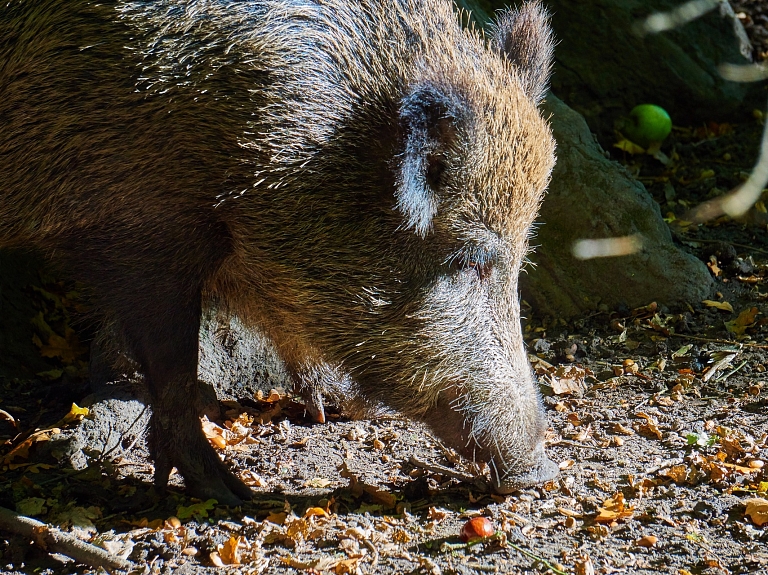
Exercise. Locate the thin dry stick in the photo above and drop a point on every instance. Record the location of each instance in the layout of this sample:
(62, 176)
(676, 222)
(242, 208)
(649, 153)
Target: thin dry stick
(54, 540)
(723, 341)
(742, 246)
(478, 482)
(505, 542)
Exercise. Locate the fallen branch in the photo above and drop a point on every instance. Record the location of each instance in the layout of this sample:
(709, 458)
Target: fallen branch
(54, 540)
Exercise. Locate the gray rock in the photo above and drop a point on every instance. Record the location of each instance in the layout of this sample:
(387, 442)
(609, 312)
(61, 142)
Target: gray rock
(117, 424)
(593, 197)
(237, 361)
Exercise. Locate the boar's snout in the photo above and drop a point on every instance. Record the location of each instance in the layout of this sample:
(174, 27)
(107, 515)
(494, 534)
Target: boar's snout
(542, 469)
(509, 439)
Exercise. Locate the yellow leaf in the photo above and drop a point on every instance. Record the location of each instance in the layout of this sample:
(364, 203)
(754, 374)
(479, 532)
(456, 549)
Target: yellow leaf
(298, 529)
(76, 410)
(721, 305)
(277, 518)
(228, 551)
(629, 147)
(315, 512)
(746, 319)
(76, 413)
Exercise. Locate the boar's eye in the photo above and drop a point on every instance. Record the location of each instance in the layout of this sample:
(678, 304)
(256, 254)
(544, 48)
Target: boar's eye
(475, 259)
(483, 269)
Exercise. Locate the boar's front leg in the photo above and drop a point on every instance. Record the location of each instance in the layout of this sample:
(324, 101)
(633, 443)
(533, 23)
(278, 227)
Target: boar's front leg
(164, 333)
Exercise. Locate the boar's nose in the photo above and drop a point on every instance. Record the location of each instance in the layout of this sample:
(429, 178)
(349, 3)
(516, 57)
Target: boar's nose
(542, 469)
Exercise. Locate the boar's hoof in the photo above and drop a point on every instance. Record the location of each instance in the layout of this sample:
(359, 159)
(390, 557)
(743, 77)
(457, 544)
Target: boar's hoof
(313, 403)
(205, 476)
(542, 471)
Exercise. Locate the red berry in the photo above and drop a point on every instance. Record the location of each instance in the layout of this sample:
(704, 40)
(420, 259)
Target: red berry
(476, 528)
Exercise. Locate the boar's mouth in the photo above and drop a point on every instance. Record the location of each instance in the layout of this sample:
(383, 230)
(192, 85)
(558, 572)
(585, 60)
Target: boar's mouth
(525, 467)
(542, 469)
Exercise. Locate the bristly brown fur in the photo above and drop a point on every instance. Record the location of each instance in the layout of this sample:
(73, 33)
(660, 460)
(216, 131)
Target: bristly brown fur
(356, 178)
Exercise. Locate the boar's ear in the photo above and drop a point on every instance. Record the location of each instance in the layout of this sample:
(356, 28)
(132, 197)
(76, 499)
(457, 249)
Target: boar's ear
(429, 119)
(525, 36)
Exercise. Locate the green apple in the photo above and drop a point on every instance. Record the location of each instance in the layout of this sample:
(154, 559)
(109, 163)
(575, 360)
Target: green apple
(647, 124)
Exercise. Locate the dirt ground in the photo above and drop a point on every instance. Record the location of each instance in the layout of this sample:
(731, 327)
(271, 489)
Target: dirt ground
(659, 421)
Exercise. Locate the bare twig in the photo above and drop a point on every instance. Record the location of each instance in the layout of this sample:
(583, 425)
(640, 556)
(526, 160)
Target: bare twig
(574, 444)
(663, 465)
(715, 340)
(742, 246)
(504, 542)
(478, 482)
(730, 373)
(55, 540)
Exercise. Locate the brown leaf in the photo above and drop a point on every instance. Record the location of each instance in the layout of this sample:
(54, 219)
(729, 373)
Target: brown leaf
(647, 541)
(347, 566)
(757, 510)
(568, 379)
(437, 514)
(677, 473)
(614, 509)
(584, 566)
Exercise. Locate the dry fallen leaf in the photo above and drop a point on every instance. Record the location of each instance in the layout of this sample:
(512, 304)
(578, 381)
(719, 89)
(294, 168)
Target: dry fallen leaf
(540, 366)
(721, 305)
(274, 396)
(568, 379)
(745, 319)
(313, 565)
(228, 551)
(315, 512)
(614, 509)
(650, 428)
(346, 566)
(437, 513)
(251, 478)
(621, 429)
(677, 473)
(757, 510)
(721, 361)
(277, 518)
(647, 541)
(584, 566)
